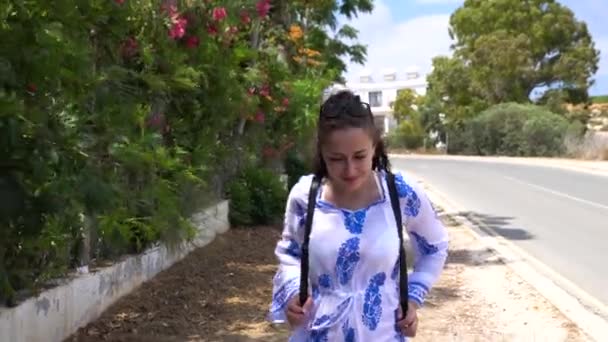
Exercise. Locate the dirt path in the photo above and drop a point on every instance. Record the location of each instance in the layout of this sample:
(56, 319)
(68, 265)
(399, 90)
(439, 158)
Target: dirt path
(218, 293)
(478, 298)
(221, 293)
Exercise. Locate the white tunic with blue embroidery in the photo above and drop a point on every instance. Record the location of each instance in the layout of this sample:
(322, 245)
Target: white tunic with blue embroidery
(354, 269)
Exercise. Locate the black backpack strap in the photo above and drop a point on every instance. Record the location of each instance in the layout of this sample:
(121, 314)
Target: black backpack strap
(392, 190)
(312, 201)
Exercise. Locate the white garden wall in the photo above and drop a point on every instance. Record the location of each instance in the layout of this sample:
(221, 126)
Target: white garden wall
(57, 313)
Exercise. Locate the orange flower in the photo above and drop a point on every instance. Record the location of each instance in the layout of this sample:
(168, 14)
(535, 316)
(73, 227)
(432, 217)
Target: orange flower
(295, 32)
(309, 52)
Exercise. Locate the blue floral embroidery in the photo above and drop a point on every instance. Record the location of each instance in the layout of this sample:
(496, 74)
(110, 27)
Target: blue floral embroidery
(280, 297)
(403, 190)
(325, 281)
(413, 205)
(412, 201)
(321, 334)
(354, 221)
(322, 319)
(294, 249)
(423, 245)
(348, 256)
(348, 332)
(372, 308)
(417, 292)
(315, 292)
(328, 321)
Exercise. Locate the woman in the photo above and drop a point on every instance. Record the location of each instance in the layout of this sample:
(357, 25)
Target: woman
(354, 244)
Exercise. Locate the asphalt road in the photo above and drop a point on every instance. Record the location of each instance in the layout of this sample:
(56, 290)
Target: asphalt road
(558, 216)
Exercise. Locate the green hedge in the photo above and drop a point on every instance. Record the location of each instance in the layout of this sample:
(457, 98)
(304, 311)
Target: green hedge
(511, 129)
(406, 135)
(118, 119)
(257, 197)
(296, 166)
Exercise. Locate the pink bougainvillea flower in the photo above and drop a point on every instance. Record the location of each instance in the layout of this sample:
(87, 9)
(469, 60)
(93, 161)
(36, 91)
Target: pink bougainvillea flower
(233, 29)
(251, 91)
(212, 29)
(178, 29)
(245, 18)
(219, 13)
(263, 7)
(285, 102)
(265, 91)
(192, 42)
(120, 2)
(260, 117)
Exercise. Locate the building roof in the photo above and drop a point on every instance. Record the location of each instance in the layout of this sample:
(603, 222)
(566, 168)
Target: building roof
(412, 83)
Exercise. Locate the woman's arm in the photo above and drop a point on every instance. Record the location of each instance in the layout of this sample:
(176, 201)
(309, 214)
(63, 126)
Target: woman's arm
(286, 282)
(428, 236)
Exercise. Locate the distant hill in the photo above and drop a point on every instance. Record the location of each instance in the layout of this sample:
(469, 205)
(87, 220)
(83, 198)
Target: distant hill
(599, 99)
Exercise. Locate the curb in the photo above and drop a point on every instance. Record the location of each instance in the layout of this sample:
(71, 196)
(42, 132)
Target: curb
(597, 168)
(584, 310)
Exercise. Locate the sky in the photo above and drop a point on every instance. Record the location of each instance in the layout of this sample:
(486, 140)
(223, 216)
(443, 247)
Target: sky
(403, 33)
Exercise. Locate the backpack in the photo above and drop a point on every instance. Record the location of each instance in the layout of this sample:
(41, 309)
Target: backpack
(312, 198)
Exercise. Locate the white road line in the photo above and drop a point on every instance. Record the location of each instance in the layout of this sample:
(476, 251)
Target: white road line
(557, 193)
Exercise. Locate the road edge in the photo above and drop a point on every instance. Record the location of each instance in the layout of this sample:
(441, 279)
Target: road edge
(573, 165)
(588, 313)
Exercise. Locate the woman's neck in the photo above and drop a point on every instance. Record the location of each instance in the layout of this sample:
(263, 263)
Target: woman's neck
(352, 200)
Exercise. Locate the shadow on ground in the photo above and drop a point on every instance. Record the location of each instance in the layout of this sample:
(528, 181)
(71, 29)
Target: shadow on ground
(500, 225)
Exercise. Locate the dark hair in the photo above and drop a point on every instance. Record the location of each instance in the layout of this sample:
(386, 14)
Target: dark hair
(345, 110)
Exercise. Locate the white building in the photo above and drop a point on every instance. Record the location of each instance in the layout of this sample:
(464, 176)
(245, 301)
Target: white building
(381, 94)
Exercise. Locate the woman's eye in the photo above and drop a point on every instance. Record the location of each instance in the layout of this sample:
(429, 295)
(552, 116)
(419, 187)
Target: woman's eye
(359, 157)
(335, 160)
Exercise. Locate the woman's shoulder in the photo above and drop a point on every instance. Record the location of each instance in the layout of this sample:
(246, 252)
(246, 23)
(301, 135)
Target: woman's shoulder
(301, 189)
(405, 183)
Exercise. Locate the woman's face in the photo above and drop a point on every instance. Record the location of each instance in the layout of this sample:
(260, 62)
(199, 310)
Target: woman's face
(348, 154)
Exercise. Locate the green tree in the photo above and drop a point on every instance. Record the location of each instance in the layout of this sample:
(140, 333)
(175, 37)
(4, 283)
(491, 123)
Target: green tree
(319, 26)
(450, 85)
(504, 49)
(405, 106)
(409, 132)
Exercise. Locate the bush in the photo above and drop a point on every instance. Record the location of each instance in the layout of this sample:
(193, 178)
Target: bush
(295, 168)
(407, 136)
(118, 119)
(588, 145)
(514, 130)
(103, 124)
(257, 197)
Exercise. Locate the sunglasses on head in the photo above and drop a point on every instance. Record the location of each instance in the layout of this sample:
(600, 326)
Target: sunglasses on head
(336, 113)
